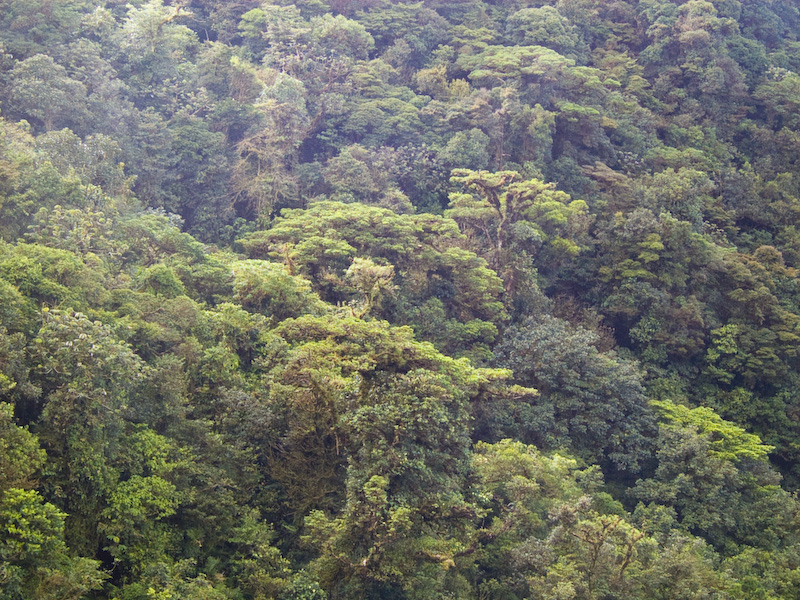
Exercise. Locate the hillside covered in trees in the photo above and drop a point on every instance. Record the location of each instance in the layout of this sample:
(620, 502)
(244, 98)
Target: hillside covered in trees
(371, 299)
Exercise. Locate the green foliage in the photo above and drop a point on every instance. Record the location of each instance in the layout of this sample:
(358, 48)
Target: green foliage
(543, 27)
(512, 221)
(87, 377)
(269, 289)
(37, 27)
(727, 441)
(523, 485)
(134, 510)
(20, 455)
(551, 532)
(467, 149)
(34, 559)
(50, 276)
(261, 569)
(323, 242)
(161, 280)
(706, 473)
(42, 90)
(241, 350)
(593, 399)
(330, 357)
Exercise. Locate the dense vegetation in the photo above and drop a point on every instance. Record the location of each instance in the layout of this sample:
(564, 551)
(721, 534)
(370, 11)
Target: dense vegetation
(359, 299)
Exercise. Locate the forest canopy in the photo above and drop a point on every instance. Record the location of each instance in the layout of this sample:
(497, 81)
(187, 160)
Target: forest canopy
(352, 300)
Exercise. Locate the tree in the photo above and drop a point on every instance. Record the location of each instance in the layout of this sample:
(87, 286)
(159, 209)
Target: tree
(446, 292)
(264, 180)
(132, 522)
(363, 175)
(716, 478)
(544, 27)
(21, 458)
(87, 378)
(409, 24)
(152, 53)
(466, 150)
(594, 399)
(653, 269)
(549, 531)
(200, 173)
(34, 561)
(386, 418)
(515, 222)
(40, 26)
(16, 163)
(50, 276)
(42, 90)
(269, 289)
